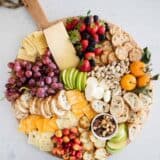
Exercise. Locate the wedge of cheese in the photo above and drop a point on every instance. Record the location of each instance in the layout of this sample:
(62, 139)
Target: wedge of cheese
(32, 46)
(61, 47)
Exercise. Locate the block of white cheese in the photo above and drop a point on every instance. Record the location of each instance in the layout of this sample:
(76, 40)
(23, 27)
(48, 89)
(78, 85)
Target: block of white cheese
(61, 47)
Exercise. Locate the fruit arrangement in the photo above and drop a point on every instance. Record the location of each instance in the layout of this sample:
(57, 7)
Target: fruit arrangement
(84, 98)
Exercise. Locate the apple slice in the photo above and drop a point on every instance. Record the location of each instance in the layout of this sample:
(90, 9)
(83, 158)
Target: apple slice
(117, 146)
(84, 80)
(67, 78)
(121, 135)
(64, 77)
(79, 81)
(75, 77)
(112, 151)
(70, 77)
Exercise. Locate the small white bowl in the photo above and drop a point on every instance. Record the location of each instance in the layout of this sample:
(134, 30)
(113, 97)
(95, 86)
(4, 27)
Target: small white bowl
(108, 137)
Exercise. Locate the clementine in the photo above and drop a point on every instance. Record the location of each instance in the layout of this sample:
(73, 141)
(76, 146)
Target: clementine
(128, 82)
(138, 68)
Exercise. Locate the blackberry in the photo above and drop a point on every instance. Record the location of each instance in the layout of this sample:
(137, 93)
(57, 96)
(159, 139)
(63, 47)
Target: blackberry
(102, 37)
(92, 62)
(85, 35)
(80, 54)
(96, 18)
(87, 20)
(92, 44)
(107, 27)
(90, 49)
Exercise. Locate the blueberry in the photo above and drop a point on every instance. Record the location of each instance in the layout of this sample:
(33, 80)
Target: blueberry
(92, 62)
(90, 49)
(80, 54)
(92, 44)
(96, 18)
(107, 27)
(102, 37)
(87, 20)
(85, 35)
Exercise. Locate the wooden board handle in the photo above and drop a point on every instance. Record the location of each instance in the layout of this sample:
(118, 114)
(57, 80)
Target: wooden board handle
(37, 13)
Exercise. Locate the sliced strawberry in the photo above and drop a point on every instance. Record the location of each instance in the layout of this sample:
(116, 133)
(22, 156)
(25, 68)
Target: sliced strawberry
(89, 55)
(98, 51)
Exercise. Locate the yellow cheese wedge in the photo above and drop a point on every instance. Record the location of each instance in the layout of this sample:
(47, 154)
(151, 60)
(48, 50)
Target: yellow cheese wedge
(24, 56)
(60, 46)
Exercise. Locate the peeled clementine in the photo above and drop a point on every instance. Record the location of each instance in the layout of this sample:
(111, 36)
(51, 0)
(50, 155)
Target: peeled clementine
(143, 80)
(128, 82)
(138, 68)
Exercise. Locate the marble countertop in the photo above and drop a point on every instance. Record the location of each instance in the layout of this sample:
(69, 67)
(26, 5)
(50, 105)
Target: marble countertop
(138, 17)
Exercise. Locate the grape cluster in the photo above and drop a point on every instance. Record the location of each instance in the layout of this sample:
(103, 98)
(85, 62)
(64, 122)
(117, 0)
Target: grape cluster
(40, 78)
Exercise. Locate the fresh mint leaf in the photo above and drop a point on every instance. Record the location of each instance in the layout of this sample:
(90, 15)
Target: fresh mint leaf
(88, 13)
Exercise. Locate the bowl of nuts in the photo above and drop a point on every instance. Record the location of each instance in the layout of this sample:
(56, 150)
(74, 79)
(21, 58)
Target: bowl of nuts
(104, 126)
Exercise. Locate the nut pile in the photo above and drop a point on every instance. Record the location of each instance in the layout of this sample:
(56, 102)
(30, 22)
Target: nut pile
(111, 74)
(104, 126)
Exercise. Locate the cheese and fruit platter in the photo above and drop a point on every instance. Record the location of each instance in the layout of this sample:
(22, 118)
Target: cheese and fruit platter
(80, 88)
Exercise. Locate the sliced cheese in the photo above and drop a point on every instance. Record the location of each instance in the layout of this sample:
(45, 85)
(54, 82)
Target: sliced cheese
(60, 46)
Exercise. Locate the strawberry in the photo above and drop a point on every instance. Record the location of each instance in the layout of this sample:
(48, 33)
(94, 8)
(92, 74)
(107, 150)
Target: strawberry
(85, 66)
(89, 55)
(82, 27)
(84, 44)
(92, 29)
(101, 30)
(71, 23)
(98, 51)
(96, 37)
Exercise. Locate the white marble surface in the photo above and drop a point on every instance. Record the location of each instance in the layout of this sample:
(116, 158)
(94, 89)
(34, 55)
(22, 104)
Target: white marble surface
(138, 17)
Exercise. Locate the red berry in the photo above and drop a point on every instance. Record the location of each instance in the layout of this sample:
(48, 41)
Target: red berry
(85, 67)
(82, 27)
(65, 131)
(66, 139)
(54, 151)
(98, 51)
(96, 37)
(72, 158)
(73, 153)
(72, 136)
(59, 140)
(79, 154)
(74, 130)
(94, 29)
(84, 44)
(89, 55)
(101, 30)
(77, 141)
(71, 24)
(77, 147)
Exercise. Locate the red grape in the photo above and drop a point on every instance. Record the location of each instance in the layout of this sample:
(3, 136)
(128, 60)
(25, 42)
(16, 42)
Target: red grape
(41, 77)
(48, 80)
(28, 74)
(40, 92)
(35, 68)
(11, 65)
(17, 67)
